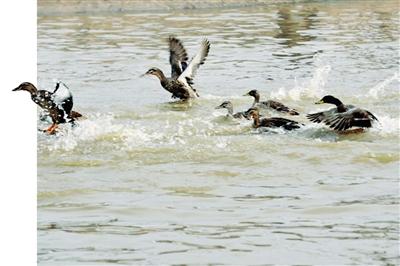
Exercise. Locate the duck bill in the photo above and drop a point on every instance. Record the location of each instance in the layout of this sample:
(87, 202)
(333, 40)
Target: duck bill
(247, 94)
(319, 102)
(218, 107)
(17, 89)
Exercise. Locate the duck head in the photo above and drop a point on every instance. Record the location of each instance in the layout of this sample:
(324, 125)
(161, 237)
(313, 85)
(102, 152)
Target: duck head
(155, 72)
(26, 86)
(329, 99)
(253, 93)
(226, 104)
(253, 113)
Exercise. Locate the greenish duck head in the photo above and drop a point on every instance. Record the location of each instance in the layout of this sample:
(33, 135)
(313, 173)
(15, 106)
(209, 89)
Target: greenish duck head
(329, 99)
(253, 93)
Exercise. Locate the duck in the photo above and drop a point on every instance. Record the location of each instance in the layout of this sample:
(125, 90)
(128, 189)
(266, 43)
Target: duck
(272, 122)
(180, 84)
(342, 117)
(270, 104)
(58, 103)
(229, 106)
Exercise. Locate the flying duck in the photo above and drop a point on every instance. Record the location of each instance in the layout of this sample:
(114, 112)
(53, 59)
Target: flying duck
(272, 122)
(58, 103)
(270, 104)
(182, 73)
(343, 116)
(228, 105)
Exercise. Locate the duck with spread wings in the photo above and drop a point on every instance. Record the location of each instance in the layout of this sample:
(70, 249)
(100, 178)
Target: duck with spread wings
(342, 117)
(180, 84)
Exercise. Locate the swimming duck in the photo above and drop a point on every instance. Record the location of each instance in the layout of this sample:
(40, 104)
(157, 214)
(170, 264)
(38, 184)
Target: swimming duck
(228, 105)
(57, 103)
(343, 116)
(272, 122)
(182, 74)
(270, 104)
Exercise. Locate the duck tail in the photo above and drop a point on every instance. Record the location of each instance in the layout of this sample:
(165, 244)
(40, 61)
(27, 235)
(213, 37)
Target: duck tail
(75, 114)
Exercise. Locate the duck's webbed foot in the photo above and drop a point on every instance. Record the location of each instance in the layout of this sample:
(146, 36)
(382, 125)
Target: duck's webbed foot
(51, 130)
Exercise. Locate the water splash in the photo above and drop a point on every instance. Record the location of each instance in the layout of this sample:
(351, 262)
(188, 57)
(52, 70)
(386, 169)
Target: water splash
(312, 88)
(380, 89)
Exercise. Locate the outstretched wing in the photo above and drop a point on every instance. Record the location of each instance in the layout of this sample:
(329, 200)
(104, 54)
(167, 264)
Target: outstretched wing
(352, 118)
(188, 74)
(177, 57)
(341, 121)
(321, 116)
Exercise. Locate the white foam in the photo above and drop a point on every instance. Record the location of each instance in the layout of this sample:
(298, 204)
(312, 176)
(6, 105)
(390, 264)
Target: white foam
(380, 89)
(311, 88)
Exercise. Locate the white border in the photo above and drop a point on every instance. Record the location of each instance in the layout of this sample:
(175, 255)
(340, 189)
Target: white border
(18, 171)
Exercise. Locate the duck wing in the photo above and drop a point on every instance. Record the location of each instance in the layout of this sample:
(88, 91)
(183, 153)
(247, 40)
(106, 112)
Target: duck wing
(188, 74)
(280, 107)
(177, 57)
(62, 97)
(280, 122)
(321, 116)
(355, 117)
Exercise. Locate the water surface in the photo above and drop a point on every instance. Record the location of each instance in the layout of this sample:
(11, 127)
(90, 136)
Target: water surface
(145, 180)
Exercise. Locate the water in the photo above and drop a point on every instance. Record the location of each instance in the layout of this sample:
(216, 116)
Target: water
(145, 180)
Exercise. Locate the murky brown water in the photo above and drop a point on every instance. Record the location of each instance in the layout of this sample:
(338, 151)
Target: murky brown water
(146, 181)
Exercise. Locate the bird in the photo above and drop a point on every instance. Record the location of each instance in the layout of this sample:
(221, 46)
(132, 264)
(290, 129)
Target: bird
(272, 121)
(58, 103)
(270, 104)
(228, 105)
(343, 116)
(180, 84)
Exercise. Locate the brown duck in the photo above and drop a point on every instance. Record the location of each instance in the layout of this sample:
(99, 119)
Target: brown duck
(58, 103)
(180, 84)
(272, 122)
(270, 104)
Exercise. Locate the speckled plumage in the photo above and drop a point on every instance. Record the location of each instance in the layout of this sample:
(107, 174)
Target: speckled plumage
(58, 104)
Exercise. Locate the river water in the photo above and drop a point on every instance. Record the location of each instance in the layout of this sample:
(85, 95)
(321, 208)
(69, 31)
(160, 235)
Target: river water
(145, 180)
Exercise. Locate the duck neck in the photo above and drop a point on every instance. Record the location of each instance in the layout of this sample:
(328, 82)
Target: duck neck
(256, 99)
(340, 106)
(256, 121)
(160, 75)
(230, 110)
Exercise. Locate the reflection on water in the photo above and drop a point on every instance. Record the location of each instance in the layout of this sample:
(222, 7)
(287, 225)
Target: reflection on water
(291, 24)
(145, 180)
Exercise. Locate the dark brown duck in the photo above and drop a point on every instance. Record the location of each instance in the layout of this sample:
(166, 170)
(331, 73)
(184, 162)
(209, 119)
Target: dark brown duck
(58, 103)
(272, 122)
(180, 84)
(343, 116)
